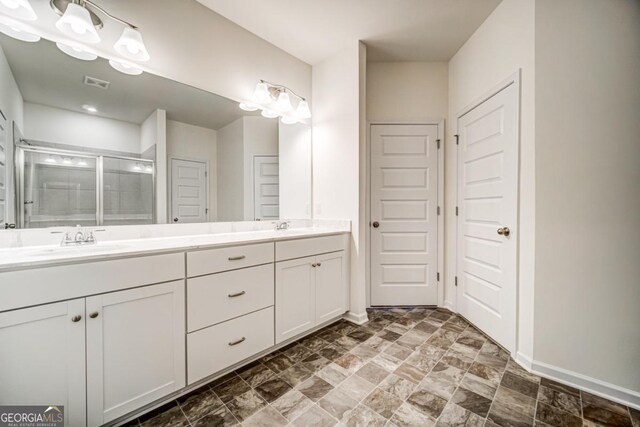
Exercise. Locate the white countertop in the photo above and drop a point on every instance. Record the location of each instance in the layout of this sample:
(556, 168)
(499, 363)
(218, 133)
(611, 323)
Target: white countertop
(36, 256)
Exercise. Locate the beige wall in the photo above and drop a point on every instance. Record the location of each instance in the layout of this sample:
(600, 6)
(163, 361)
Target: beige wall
(502, 45)
(587, 272)
(230, 171)
(191, 142)
(407, 91)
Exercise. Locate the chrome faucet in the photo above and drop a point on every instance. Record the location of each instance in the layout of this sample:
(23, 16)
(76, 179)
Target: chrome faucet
(82, 236)
(282, 225)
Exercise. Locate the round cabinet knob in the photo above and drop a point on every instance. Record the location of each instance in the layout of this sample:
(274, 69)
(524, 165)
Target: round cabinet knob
(175, 219)
(76, 318)
(504, 231)
(93, 315)
(376, 224)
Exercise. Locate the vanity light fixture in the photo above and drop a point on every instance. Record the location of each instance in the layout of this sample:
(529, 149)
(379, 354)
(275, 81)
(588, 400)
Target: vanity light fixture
(76, 51)
(20, 9)
(275, 101)
(80, 21)
(76, 23)
(17, 30)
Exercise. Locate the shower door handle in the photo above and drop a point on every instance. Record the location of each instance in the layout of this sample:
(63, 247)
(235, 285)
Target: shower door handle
(28, 202)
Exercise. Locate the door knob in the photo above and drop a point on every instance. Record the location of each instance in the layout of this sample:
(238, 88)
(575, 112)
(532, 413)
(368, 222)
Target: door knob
(175, 219)
(504, 231)
(375, 224)
(93, 315)
(76, 318)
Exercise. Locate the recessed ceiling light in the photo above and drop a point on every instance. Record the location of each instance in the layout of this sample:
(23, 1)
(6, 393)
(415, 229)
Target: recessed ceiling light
(90, 108)
(50, 160)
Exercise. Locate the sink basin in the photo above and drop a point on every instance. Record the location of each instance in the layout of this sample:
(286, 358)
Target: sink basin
(65, 250)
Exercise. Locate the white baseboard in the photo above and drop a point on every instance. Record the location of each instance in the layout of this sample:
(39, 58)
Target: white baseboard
(523, 360)
(600, 388)
(358, 319)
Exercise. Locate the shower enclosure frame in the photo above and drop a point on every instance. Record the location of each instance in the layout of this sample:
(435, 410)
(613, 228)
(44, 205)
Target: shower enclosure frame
(19, 160)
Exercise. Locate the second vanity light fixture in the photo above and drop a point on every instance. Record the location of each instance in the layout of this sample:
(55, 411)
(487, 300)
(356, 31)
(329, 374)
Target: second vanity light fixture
(79, 22)
(274, 101)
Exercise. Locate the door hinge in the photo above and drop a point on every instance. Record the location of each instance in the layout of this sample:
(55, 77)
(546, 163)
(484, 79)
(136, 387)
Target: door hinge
(438, 141)
(438, 276)
(438, 210)
(206, 210)
(457, 139)
(456, 281)
(456, 211)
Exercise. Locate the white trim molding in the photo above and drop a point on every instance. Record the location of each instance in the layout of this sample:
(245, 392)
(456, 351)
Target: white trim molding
(600, 388)
(358, 319)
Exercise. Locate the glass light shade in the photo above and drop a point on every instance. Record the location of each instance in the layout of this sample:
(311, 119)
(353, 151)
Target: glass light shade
(20, 9)
(76, 51)
(261, 95)
(17, 30)
(303, 110)
(76, 23)
(288, 120)
(247, 106)
(269, 114)
(284, 103)
(131, 46)
(125, 67)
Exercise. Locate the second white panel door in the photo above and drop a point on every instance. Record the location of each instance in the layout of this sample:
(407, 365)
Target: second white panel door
(188, 191)
(266, 188)
(404, 194)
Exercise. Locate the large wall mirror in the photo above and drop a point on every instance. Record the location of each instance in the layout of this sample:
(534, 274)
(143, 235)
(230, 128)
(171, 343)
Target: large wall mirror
(92, 146)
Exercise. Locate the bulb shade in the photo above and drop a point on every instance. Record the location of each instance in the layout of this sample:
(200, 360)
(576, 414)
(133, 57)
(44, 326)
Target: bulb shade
(76, 23)
(125, 67)
(20, 9)
(269, 114)
(288, 120)
(17, 30)
(261, 95)
(247, 106)
(303, 110)
(76, 51)
(284, 103)
(131, 46)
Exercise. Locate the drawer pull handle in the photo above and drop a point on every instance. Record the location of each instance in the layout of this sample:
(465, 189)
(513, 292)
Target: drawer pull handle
(237, 294)
(236, 258)
(236, 342)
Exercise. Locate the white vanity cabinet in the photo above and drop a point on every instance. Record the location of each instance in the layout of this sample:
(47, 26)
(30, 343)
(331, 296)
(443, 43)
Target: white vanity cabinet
(135, 349)
(42, 358)
(132, 342)
(311, 290)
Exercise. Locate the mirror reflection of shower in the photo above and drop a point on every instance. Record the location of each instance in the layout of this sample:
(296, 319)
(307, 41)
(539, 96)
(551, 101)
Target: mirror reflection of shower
(68, 188)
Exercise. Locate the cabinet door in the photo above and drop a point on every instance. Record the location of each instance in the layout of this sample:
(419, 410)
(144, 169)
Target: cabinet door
(295, 297)
(42, 358)
(330, 286)
(135, 349)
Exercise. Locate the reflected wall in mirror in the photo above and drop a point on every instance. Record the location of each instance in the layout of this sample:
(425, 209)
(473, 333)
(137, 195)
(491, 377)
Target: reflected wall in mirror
(99, 147)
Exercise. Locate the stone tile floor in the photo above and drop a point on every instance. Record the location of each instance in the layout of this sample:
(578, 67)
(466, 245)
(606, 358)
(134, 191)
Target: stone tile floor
(405, 367)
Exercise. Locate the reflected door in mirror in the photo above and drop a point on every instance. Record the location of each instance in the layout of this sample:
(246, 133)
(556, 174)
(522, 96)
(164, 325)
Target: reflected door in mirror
(188, 191)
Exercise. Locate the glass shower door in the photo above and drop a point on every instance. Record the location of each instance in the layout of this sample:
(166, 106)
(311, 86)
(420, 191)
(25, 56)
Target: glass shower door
(59, 190)
(127, 191)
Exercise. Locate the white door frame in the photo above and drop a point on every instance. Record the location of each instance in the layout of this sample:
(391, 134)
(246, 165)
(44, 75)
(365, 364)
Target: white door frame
(514, 79)
(440, 238)
(170, 183)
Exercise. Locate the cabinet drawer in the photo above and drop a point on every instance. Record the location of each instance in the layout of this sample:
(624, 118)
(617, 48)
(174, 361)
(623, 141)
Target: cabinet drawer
(300, 248)
(215, 348)
(218, 297)
(224, 259)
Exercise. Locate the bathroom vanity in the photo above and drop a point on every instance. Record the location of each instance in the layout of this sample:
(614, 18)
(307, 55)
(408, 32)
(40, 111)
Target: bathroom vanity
(115, 328)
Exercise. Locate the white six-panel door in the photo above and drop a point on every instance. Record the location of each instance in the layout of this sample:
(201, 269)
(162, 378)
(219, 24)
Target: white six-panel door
(404, 203)
(487, 217)
(266, 188)
(188, 191)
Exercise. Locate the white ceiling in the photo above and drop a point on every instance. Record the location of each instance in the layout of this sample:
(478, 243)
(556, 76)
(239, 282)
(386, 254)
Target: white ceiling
(393, 30)
(47, 76)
